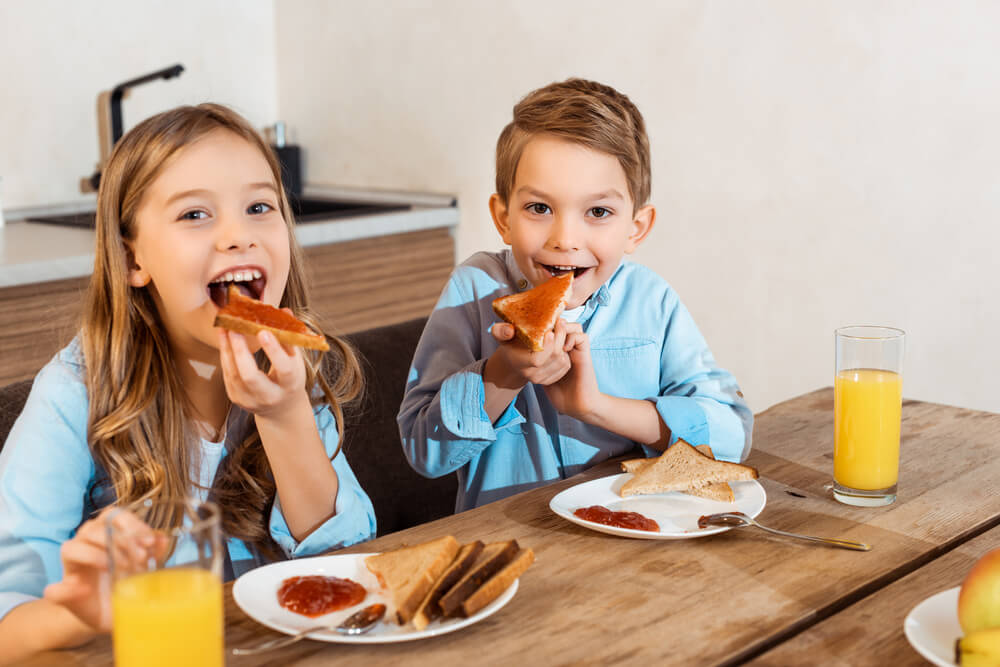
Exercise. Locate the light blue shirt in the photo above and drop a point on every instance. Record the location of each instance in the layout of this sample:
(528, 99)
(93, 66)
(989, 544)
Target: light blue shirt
(49, 487)
(643, 343)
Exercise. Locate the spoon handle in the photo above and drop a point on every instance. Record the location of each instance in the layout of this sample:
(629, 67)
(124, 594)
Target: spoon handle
(843, 544)
(279, 642)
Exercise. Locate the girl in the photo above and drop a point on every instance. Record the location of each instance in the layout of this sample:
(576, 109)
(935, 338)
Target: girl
(150, 401)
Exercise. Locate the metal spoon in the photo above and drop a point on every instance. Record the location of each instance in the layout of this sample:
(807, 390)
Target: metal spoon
(737, 519)
(357, 623)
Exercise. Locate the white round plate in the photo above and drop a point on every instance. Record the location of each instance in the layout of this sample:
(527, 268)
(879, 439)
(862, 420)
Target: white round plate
(676, 513)
(932, 627)
(256, 592)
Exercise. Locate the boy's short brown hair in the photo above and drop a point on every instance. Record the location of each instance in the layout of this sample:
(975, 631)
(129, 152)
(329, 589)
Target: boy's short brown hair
(584, 112)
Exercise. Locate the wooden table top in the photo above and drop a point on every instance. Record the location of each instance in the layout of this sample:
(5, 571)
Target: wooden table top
(739, 596)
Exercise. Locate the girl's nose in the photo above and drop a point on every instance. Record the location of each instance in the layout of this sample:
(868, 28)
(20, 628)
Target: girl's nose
(564, 234)
(234, 233)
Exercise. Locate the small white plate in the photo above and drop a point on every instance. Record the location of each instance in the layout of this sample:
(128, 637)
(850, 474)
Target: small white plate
(256, 592)
(932, 627)
(676, 513)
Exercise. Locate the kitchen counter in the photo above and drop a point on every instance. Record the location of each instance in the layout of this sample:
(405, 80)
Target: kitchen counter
(33, 252)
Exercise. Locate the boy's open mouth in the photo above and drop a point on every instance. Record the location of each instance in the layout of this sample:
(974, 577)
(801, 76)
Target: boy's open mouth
(558, 269)
(249, 282)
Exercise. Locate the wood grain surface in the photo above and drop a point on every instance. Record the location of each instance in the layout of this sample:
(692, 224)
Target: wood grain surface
(597, 599)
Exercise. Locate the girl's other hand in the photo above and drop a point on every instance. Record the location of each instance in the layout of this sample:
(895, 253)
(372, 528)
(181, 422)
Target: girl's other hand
(263, 394)
(85, 588)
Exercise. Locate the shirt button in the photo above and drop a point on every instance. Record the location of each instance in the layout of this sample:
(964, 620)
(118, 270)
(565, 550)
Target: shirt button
(522, 283)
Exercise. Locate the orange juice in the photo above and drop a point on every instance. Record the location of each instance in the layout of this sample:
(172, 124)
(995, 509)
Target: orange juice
(867, 409)
(168, 617)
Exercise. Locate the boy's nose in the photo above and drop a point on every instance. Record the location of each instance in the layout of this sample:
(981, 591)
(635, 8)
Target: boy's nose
(563, 235)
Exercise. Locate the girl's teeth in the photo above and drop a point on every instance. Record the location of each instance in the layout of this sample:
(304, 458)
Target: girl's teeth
(228, 278)
(257, 274)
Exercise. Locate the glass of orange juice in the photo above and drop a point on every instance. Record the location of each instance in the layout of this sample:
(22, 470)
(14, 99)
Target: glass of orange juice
(169, 611)
(867, 407)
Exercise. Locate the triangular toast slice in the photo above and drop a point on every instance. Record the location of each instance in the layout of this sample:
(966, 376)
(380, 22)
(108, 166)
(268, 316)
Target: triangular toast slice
(429, 608)
(682, 467)
(720, 491)
(410, 572)
(534, 313)
(493, 558)
(248, 316)
(498, 583)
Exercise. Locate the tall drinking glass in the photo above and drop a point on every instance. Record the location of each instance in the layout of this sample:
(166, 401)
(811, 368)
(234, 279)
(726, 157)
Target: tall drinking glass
(172, 615)
(867, 408)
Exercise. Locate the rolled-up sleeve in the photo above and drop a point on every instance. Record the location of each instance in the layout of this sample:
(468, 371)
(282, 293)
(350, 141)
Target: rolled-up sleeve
(354, 517)
(45, 472)
(442, 419)
(699, 402)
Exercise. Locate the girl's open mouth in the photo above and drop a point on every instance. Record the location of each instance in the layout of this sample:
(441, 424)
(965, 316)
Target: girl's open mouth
(249, 282)
(558, 269)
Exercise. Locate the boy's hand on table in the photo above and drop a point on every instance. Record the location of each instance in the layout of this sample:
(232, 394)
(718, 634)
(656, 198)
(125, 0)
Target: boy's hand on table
(576, 394)
(513, 364)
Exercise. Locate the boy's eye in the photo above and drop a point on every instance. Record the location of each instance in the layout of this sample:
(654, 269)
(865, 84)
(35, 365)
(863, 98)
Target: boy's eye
(600, 212)
(259, 208)
(538, 209)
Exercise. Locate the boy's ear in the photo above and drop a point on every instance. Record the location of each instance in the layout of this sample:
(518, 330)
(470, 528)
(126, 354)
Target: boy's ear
(642, 224)
(137, 276)
(500, 219)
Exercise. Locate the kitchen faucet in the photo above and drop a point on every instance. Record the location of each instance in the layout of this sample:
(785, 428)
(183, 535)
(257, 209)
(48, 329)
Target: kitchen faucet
(109, 110)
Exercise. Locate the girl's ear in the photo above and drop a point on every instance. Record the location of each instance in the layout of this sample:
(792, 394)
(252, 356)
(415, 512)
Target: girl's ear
(137, 276)
(642, 224)
(500, 219)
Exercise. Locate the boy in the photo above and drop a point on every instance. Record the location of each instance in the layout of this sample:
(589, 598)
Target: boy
(625, 363)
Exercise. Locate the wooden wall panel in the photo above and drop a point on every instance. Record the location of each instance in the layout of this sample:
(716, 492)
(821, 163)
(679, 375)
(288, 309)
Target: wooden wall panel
(354, 285)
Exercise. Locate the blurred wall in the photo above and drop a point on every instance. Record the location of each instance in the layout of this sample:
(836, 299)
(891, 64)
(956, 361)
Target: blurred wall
(55, 57)
(815, 164)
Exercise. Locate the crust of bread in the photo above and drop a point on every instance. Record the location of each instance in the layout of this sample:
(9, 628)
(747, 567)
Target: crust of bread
(410, 572)
(498, 583)
(429, 609)
(682, 468)
(232, 321)
(493, 558)
(534, 312)
(720, 491)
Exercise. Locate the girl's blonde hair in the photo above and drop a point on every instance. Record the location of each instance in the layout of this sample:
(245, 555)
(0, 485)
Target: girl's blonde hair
(138, 427)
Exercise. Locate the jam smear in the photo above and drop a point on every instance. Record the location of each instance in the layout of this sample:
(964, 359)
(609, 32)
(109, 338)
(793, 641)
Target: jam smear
(632, 520)
(253, 310)
(315, 595)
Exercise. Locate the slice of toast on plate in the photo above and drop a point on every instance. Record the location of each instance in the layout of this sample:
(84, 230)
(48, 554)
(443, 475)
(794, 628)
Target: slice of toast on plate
(682, 468)
(534, 312)
(498, 583)
(429, 609)
(720, 491)
(410, 572)
(494, 557)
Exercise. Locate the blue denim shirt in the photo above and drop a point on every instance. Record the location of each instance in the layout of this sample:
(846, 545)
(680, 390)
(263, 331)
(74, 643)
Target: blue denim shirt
(49, 487)
(644, 345)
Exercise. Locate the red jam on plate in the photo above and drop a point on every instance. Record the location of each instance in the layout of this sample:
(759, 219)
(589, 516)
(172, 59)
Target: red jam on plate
(631, 520)
(316, 595)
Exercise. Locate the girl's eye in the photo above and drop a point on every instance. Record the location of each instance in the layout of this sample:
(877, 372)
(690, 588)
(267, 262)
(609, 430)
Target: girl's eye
(259, 208)
(193, 215)
(600, 212)
(538, 209)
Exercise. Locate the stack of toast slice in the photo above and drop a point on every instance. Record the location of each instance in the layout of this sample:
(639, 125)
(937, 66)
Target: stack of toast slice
(442, 578)
(685, 468)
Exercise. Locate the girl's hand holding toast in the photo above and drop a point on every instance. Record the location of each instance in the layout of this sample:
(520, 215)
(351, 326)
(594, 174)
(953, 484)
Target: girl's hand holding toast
(266, 395)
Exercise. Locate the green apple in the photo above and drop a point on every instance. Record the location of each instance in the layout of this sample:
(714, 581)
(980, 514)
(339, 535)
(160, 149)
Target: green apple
(979, 598)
